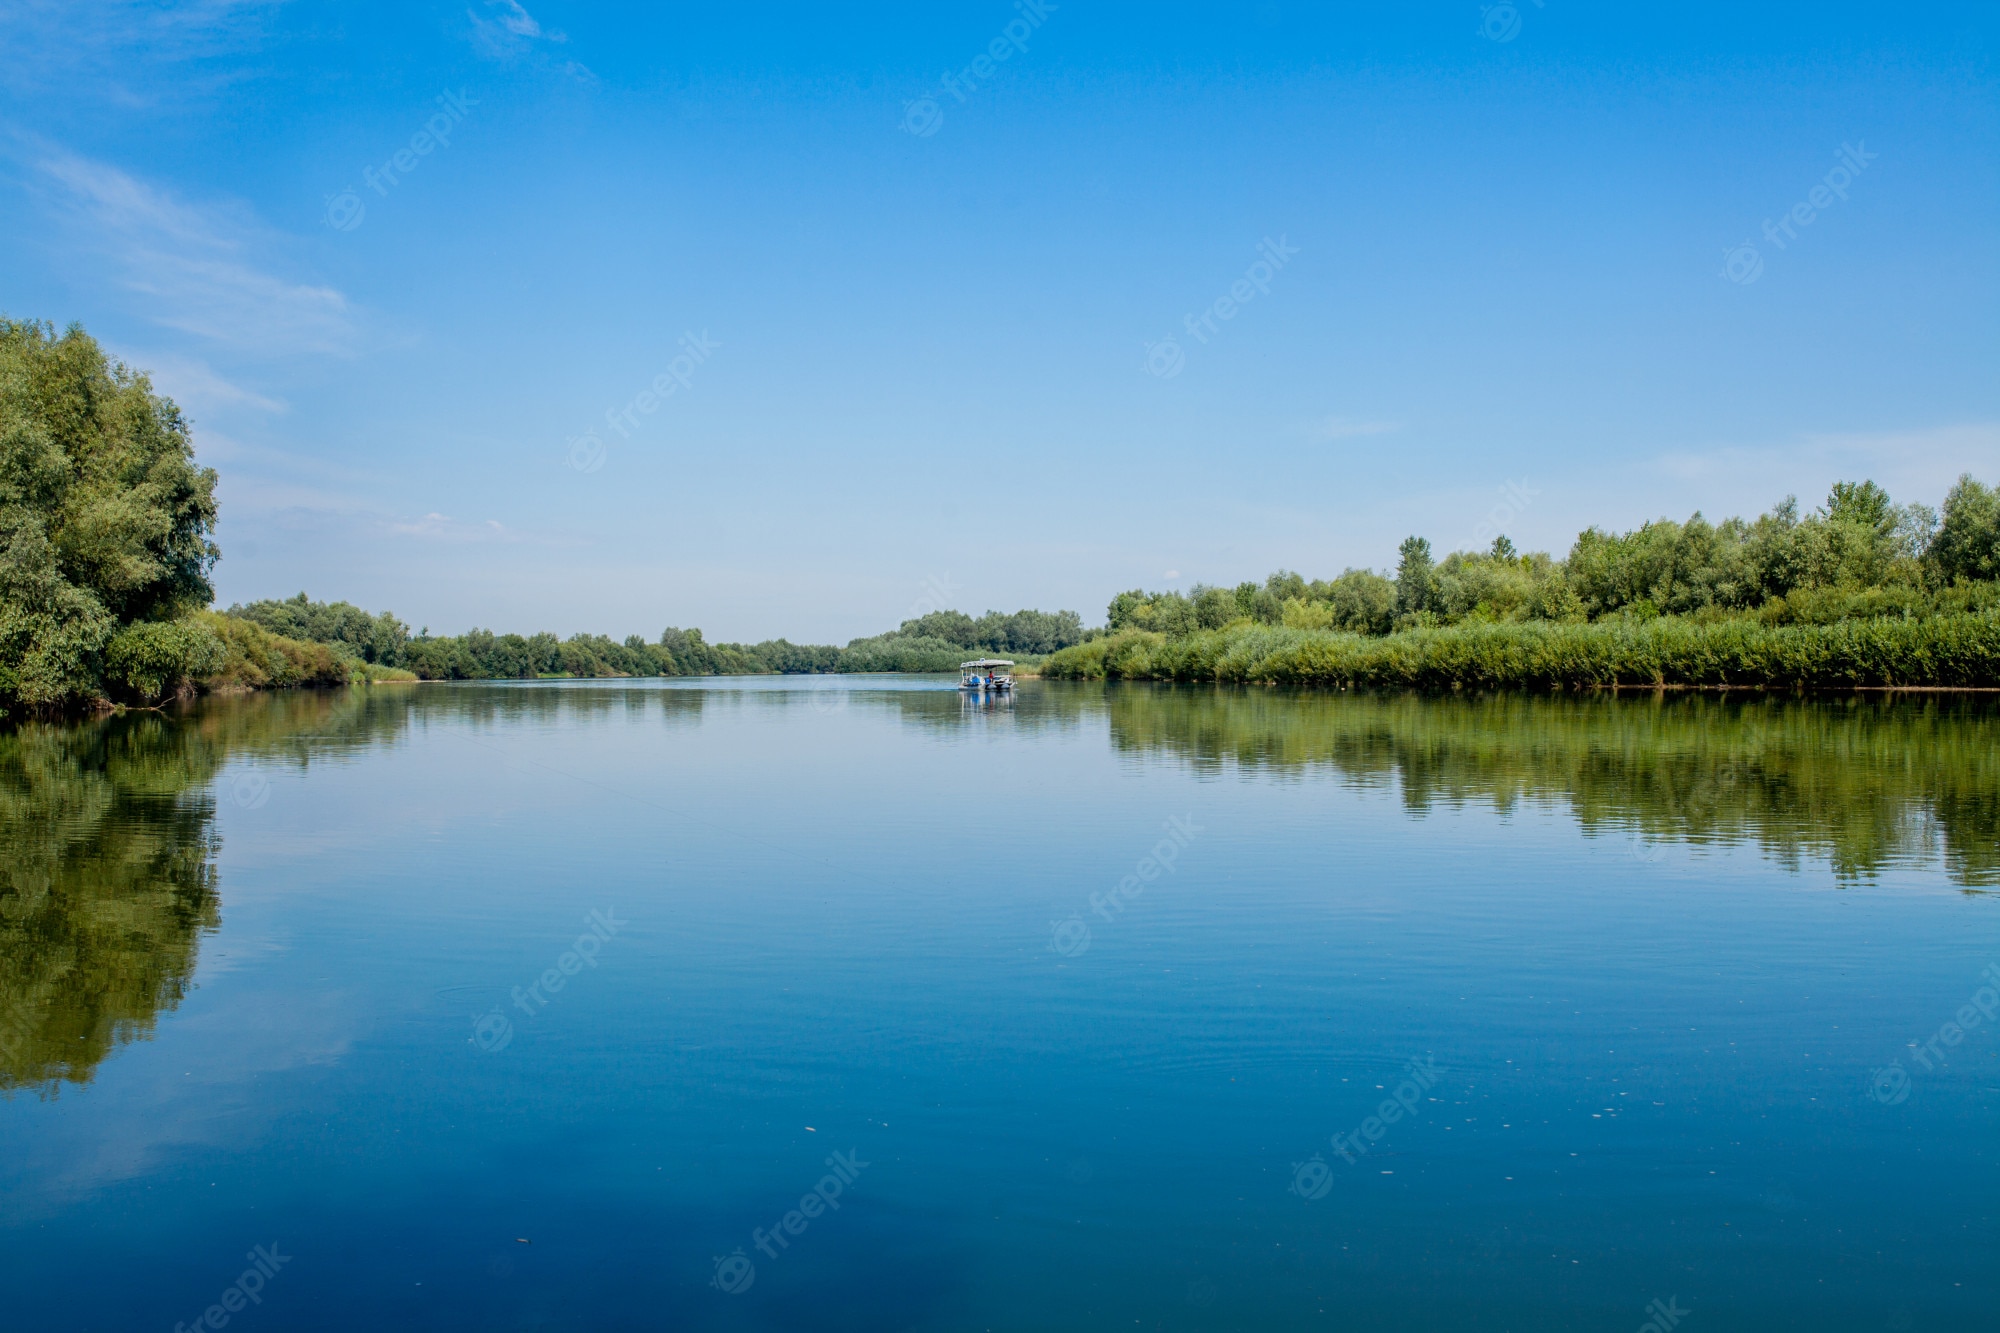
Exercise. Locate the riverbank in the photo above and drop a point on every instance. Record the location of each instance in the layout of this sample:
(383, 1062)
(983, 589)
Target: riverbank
(1941, 651)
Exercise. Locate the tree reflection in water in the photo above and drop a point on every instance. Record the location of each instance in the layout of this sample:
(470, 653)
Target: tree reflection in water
(108, 845)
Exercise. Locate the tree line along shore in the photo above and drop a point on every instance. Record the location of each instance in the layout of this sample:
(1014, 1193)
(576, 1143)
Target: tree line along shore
(1859, 592)
(107, 551)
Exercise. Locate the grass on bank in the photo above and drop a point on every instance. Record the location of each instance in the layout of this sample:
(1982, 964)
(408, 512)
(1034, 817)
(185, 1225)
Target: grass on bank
(1944, 650)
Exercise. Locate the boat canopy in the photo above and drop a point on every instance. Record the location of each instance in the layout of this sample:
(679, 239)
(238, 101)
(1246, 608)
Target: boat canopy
(985, 662)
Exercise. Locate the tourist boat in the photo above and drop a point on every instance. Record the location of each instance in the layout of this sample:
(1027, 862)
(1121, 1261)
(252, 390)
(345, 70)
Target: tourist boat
(992, 674)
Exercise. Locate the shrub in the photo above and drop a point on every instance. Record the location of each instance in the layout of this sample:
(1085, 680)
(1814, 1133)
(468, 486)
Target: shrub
(254, 658)
(1951, 649)
(151, 660)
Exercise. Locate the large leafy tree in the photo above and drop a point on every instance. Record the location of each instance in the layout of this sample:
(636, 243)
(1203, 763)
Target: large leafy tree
(105, 523)
(1967, 545)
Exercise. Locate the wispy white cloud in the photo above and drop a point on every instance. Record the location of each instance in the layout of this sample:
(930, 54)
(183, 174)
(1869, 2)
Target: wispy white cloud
(270, 504)
(446, 528)
(132, 52)
(519, 21)
(198, 265)
(194, 384)
(507, 31)
(1341, 428)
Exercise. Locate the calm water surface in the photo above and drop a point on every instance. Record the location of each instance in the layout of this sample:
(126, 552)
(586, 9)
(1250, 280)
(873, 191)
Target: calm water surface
(841, 1004)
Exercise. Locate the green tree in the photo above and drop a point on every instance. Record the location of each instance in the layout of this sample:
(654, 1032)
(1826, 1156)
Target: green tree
(104, 526)
(1967, 544)
(373, 638)
(1413, 575)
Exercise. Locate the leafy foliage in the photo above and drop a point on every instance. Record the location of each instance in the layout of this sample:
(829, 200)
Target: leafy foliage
(935, 642)
(252, 657)
(1967, 545)
(380, 638)
(104, 527)
(1948, 649)
(1859, 552)
(1865, 784)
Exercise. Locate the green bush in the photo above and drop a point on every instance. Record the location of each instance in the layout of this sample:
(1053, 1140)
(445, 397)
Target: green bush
(151, 660)
(1948, 650)
(253, 658)
(896, 653)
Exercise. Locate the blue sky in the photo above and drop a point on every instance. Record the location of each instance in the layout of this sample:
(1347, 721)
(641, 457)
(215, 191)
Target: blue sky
(947, 355)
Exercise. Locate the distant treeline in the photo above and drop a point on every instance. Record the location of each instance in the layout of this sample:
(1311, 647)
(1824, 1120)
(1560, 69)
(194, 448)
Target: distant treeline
(1858, 555)
(938, 641)
(1860, 592)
